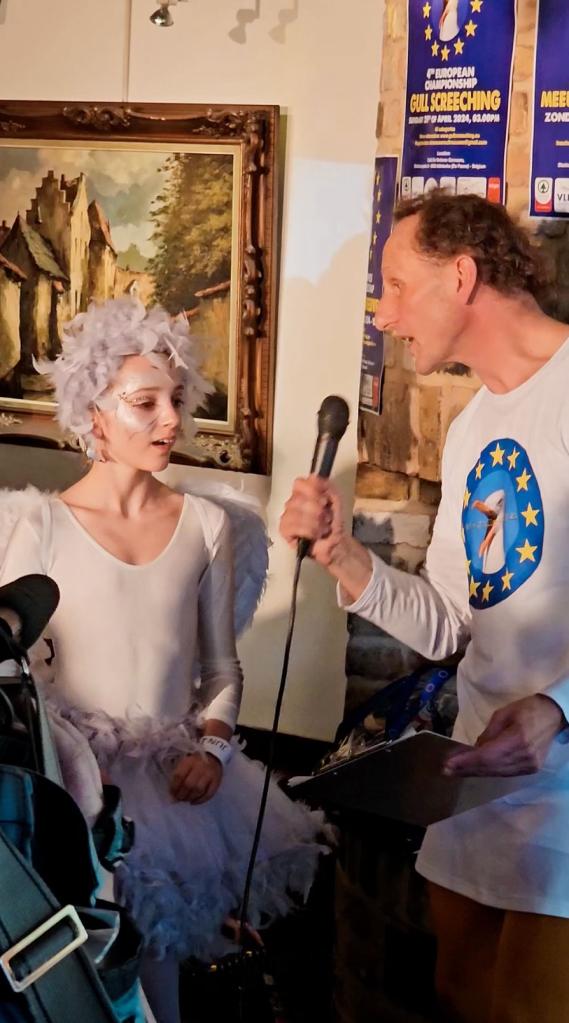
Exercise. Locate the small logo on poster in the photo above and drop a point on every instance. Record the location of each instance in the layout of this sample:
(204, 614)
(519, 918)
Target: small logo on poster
(561, 199)
(405, 188)
(449, 183)
(366, 389)
(369, 391)
(472, 186)
(543, 195)
(494, 189)
(376, 392)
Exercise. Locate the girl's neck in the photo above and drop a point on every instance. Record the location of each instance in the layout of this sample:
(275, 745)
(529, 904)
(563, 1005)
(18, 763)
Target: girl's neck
(118, 489)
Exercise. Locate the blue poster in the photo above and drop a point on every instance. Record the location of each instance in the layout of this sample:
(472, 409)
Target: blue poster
(549, 187)
(459, 76)
(384, 189)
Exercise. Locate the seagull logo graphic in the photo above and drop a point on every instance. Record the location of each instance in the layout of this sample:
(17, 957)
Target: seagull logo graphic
(502, 523)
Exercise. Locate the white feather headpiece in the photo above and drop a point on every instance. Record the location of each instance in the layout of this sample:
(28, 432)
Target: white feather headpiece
(96, 343)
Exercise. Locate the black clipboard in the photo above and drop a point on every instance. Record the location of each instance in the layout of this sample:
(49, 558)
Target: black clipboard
(403, 780)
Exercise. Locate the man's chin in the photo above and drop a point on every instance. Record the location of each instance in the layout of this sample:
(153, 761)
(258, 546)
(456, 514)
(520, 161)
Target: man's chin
(424, 366)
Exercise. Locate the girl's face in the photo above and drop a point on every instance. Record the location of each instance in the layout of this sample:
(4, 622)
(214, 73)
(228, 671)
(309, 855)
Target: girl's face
(138, 419)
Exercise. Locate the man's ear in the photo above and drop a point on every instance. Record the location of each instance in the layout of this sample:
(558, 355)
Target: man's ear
(467, 278)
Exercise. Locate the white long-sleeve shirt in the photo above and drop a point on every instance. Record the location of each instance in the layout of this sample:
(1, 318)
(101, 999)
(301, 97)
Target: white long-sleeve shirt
(497, 581)
(127, 637)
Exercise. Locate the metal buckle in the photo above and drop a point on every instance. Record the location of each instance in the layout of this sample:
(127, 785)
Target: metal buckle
(69, 913)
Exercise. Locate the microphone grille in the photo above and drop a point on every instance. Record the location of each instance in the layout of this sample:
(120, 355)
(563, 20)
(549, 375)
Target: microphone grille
(333, 417)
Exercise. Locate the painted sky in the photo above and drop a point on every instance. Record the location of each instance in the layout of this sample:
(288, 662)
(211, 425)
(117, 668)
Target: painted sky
(124, 182)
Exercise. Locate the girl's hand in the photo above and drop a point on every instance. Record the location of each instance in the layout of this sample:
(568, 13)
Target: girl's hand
(196, 778)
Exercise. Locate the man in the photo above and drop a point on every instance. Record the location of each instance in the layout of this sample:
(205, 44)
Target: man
(460, 285)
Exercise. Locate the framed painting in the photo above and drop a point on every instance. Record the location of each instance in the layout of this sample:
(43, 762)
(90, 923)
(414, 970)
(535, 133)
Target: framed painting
(173, 203)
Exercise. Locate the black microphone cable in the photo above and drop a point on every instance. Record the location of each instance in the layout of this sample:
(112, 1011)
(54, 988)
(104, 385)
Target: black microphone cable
(267, 780)
(332, 420)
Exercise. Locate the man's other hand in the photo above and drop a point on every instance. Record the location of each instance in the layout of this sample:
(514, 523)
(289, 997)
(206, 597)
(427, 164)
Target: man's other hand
(516, 740)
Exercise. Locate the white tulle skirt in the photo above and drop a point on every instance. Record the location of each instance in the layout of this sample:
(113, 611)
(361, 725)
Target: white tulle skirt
(187, 869)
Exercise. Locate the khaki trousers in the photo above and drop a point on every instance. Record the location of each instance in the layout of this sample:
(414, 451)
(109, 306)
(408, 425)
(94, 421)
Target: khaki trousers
(499, 966)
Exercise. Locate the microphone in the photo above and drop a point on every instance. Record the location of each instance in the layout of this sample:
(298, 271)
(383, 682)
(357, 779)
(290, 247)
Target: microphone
(26, 605)
(333, 418)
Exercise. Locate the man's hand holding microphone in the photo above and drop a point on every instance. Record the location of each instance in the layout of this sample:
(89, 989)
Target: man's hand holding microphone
(313, 520)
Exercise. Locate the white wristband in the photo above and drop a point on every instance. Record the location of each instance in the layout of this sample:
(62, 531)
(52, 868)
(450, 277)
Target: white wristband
(219, 748)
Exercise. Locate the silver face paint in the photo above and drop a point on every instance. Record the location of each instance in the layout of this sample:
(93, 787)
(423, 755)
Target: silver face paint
(137, 415)
(135, 399)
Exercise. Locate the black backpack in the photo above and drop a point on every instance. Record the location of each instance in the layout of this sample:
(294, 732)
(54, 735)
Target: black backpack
(65, 956)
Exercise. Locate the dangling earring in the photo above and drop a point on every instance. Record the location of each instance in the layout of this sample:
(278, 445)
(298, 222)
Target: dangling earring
(86, 448)
(93, 453)
(95, 443)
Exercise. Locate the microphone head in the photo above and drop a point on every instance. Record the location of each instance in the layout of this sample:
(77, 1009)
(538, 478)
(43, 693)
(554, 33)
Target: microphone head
(34, 598)
(333, 417)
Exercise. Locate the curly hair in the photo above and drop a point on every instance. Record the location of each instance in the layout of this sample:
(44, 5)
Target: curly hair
(504, 253)
(95, 345)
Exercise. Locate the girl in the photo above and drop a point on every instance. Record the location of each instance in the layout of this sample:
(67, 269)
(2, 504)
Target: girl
(146, 581)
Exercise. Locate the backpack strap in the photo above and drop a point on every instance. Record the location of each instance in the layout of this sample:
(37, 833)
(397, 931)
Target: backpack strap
(42, 963)
(45, 826)
(47, 752)
(51, 767)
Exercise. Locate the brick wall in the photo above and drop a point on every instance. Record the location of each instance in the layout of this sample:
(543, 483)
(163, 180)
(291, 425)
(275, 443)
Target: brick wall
(400, 451)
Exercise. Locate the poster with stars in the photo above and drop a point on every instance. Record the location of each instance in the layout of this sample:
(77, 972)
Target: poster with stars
(459, 81)
(384, 193)
(549, 183)
(502, 523)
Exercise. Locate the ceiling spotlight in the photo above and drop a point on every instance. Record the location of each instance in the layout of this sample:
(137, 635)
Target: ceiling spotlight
(162, 16)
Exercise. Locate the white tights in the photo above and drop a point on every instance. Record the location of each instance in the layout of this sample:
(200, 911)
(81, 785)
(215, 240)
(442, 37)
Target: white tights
(160, 986)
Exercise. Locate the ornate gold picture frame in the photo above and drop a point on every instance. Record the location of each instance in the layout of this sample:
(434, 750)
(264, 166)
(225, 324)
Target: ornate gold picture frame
(173, 203)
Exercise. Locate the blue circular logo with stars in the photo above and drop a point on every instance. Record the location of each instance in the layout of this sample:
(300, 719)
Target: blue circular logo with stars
(502, 523)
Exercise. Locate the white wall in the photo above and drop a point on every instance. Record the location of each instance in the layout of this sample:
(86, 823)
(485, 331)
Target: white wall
(322, 68)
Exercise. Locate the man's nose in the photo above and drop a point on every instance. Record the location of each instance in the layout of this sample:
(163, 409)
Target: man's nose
(382, 317)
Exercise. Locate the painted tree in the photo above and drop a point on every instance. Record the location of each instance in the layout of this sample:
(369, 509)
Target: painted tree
(192, 228)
